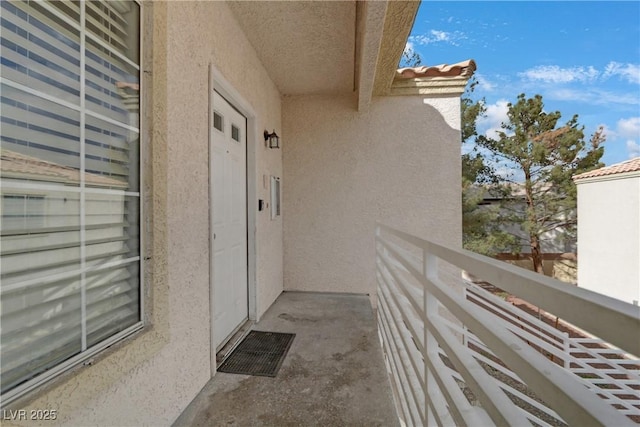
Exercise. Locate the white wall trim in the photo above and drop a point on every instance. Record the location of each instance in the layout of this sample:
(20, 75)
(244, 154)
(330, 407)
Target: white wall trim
(430, 86)
(611, 177)
(218, 83)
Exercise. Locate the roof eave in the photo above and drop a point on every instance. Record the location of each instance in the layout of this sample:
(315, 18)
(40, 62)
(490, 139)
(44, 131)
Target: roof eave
(398, 21)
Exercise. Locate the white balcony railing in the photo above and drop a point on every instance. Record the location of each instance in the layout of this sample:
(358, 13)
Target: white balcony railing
(458, 354)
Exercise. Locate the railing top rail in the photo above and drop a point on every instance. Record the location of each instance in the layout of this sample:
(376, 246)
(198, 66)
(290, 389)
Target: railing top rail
(610, 319)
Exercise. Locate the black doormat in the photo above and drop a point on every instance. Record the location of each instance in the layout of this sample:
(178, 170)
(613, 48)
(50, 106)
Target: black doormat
(260, 353)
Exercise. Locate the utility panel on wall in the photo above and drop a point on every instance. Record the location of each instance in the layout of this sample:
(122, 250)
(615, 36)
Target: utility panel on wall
(275, 197)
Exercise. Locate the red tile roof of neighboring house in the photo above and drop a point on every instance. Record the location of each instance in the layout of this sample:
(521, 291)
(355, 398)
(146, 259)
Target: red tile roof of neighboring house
(460, 69)
(124, 85)
(632, 165)
(21, 166)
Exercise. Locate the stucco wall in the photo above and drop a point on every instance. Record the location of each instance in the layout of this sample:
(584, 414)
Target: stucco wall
(609, 237)
(151, 378)
(398, 163)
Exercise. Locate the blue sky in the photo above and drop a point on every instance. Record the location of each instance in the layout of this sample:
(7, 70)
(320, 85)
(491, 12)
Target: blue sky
(583, 57)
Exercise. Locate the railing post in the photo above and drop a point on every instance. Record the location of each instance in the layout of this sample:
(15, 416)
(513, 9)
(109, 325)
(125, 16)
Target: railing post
(465, 296)
(430, 304)
(567, 350)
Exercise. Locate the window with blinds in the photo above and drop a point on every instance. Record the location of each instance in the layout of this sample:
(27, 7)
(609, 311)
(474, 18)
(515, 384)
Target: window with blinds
(69, 184)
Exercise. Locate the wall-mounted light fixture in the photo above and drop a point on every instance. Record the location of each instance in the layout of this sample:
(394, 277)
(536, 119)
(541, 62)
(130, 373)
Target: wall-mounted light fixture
(272, 139)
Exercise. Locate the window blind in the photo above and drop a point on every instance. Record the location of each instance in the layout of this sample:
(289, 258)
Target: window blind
(69, 182)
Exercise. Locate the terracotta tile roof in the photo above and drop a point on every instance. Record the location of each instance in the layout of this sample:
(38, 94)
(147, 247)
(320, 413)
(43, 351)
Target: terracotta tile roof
(21, 166)
(460, 69)
(632, 165)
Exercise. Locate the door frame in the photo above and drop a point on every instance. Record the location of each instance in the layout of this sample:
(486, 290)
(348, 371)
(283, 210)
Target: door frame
(218, 83)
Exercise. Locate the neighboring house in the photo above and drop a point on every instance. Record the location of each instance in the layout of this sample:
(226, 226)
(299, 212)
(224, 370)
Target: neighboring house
(556, 241)
(136, 178)
(609, 230)
(558, 245)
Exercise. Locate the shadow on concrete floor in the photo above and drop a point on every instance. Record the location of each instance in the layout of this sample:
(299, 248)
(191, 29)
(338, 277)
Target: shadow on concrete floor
(333, 375)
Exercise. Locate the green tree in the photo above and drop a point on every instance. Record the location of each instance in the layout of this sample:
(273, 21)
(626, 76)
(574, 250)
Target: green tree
(545, 156)
(482, 230)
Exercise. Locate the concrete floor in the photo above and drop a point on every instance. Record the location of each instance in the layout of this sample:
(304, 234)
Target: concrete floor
(333, 375)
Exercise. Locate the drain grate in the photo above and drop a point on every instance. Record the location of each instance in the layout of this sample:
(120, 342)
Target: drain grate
(260, 353)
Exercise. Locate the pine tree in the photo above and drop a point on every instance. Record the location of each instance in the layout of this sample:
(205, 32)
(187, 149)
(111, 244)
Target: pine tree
(546, 156)
(482, 225)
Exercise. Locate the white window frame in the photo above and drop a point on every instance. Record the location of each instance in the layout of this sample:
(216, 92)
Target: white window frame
(86, 355)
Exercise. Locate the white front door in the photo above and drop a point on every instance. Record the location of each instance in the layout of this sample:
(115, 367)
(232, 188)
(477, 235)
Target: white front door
(229, 210)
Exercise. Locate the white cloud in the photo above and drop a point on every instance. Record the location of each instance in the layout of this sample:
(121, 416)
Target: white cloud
(556, 74)
(437, 36)
(408, 50)
(410, 58)
(582, 74)
(440, 36)
(633, 149)
(484, 84)
(591, 95)
(495, 115)
(629, 72)
(408, 47)
(569, 95)
(627, 131)
(629, 128)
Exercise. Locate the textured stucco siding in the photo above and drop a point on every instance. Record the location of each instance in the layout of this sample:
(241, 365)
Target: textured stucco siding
(609, 237)
(308, 47)
(398, 163)
(151, 378)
